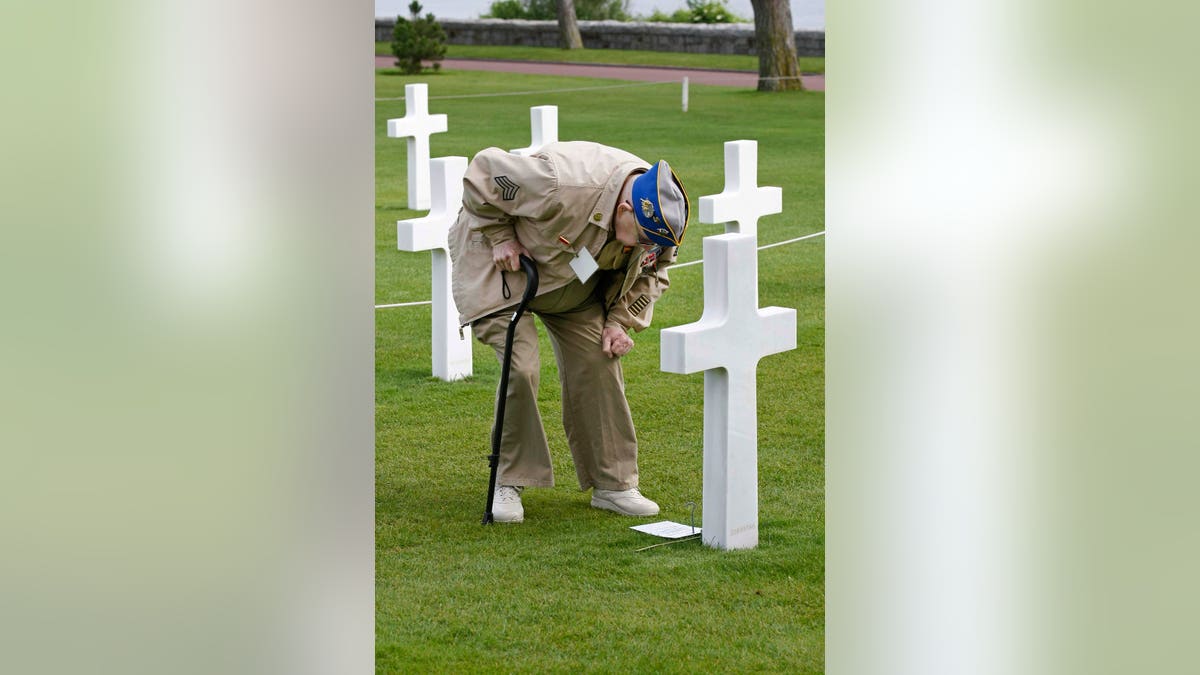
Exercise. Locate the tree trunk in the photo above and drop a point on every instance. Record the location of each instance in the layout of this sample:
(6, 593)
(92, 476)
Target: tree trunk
(775, 41)
(568, 28)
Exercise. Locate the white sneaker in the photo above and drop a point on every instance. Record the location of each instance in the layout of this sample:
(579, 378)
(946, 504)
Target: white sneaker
(626, 502)
(506, 505)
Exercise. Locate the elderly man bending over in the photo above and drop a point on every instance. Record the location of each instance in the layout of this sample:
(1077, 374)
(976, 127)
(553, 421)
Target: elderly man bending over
(602, 226)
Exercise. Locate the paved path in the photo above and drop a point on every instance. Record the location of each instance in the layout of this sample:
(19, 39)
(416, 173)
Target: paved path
(730, 78)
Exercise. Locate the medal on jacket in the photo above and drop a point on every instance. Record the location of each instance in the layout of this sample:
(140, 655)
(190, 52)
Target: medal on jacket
(649, 260)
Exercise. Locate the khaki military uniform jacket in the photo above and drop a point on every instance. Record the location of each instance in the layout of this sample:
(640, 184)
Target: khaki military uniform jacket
(556, 202)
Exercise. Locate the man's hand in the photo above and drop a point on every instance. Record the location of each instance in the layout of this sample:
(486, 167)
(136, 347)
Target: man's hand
(507, 256)
(615, 342)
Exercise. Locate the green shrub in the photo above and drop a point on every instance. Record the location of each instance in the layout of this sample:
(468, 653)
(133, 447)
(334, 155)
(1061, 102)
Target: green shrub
(711, 11)
(547, 10)
(678, 16)
(506, 9)
(417, 41)
(543, 10)
(602, 10)
(698, 11)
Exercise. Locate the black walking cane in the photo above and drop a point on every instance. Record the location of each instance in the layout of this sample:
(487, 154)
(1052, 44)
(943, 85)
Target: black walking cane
(531, 284)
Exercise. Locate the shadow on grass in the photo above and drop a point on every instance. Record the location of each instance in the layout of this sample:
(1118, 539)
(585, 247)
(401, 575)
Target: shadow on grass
(396, 72)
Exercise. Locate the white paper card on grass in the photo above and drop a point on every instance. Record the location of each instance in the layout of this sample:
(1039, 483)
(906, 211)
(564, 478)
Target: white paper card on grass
(667, 529)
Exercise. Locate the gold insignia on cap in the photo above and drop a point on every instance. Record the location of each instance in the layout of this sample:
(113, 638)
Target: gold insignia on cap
(647, 208)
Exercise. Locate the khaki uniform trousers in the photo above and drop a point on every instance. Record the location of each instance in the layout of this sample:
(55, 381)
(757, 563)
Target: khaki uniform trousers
(595, 412)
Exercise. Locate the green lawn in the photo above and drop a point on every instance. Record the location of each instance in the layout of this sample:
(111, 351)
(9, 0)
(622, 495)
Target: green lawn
(614, 56)
(565, 591)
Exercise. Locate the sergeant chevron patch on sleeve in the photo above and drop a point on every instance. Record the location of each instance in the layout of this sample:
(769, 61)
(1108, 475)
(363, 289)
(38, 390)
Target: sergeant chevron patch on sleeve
(508, 189)
(638, 305)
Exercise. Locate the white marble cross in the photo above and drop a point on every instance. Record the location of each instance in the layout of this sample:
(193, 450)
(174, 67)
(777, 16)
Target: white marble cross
(727, 343)
(742, 202)
(417, 126)
(451, 353)
(543, 123)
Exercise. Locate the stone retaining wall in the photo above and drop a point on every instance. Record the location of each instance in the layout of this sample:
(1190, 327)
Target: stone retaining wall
(727, 38)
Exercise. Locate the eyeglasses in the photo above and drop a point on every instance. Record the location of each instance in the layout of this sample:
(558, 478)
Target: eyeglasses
(646, 244)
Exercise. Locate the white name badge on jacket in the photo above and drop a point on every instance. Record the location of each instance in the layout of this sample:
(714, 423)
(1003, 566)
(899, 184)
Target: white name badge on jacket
(584, 265)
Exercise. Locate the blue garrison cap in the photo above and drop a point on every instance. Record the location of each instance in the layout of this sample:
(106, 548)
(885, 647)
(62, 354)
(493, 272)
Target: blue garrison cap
(661, 205)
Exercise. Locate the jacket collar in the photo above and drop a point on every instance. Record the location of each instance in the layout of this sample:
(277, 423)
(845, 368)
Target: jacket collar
(606, 205)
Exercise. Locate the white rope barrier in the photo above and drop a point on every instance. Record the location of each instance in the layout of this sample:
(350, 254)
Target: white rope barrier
(570, 89)
(405, 304)
(761, 248)
(686, 264)
(792, 241)
(539, 91)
